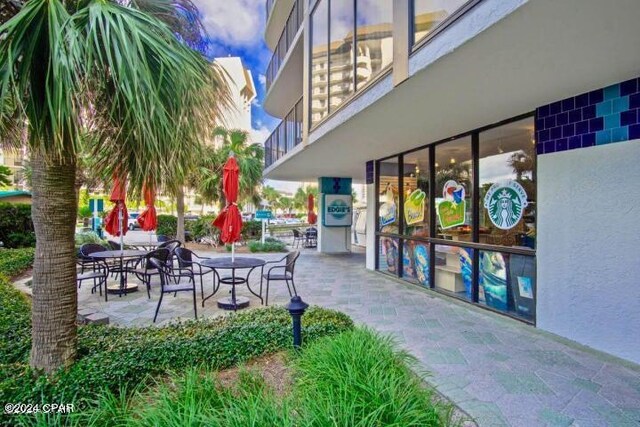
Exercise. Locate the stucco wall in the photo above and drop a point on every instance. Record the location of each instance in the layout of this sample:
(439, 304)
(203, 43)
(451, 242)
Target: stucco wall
(589, 247)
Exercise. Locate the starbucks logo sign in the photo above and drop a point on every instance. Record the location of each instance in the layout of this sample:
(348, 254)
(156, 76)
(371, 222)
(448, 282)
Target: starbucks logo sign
(505, 203)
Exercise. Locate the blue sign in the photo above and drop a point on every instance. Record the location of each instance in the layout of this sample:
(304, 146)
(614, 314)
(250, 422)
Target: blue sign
(264, 214)
(335, 185)
(92, 205)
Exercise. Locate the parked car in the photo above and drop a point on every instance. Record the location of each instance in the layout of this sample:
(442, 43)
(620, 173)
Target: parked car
(132, 223)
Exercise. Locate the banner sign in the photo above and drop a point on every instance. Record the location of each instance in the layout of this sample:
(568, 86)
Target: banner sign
(414, 207)
(451, 210)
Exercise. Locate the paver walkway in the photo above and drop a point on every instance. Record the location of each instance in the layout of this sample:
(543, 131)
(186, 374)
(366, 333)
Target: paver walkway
(498, 370)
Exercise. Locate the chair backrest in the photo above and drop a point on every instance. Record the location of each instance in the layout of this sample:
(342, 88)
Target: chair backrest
(163, 270)
(296, 233)
(161, 254)
(89, 248)
(292, 257)
(185, 258)
(114, 245)
(162, 238)
(171, 245)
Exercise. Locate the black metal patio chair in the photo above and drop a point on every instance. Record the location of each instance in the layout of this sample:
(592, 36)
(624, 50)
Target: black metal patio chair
(274, 274)
(297, 238)
(145, 270)
(167, 277)
(189, 260)
(98, 275)
(84, 255)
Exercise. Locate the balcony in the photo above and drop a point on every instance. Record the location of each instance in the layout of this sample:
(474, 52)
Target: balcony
(285, 137)
(292, 25)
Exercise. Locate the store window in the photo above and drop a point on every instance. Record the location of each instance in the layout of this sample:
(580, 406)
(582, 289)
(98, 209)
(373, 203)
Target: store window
(341, 52)
(374, 38)
(454, 271)
(319, 60)
(507, 185)
(429, 14)
(416, 193)
(454, 190)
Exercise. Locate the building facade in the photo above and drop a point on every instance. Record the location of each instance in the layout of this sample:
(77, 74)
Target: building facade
(499, 141)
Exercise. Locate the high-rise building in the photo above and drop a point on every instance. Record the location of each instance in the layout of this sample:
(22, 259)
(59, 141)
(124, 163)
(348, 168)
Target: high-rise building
(242, 93)
(499, 142)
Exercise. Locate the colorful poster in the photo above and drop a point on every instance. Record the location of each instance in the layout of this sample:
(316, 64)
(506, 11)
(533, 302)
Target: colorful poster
(451, 211)
(505, 202)
(421, 262)
(525, 287)
(388, 208)
(414, 207)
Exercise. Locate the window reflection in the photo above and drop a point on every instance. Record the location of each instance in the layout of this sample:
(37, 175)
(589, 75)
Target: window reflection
(428, 14)
(341, 82)
(374, 45)
(319, 62)
(416, 193)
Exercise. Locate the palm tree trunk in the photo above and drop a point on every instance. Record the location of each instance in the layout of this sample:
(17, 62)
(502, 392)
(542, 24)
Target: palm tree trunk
(180, 214)
(55, 299)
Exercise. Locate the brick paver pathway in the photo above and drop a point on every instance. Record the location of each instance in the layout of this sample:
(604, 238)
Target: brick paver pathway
(498, 370)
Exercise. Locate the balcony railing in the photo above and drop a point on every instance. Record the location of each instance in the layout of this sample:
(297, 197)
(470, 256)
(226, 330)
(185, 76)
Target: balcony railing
(285, 137)
(294, 21)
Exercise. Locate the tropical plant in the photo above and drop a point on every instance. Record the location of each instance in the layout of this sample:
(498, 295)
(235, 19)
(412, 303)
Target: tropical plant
(271, 196)
(301, 197)
(120, 73)
(5, 176)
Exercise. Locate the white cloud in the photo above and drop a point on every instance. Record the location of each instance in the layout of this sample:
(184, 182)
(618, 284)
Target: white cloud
(236, 23)
(262, 79)
(260, 134)
(256, 103)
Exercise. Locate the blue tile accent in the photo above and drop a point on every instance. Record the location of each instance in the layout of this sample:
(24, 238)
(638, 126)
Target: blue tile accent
(628, 118)
(589, 112)
(582, 100)
(604, 108)
(620, 134)
(596, 96)
(621, 104)
(568, 130)
(629, 87)
(562, 119)
(575, 142)
(582, 127)
(603, 137)
(599, 117)
(588, 140)
(596, 124)
(612, 121)
(611, 92)
(568, 104)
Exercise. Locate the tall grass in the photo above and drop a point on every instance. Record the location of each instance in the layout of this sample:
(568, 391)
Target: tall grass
(355, 379)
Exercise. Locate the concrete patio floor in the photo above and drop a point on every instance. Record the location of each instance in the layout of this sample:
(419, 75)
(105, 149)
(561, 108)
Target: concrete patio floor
(500, 371)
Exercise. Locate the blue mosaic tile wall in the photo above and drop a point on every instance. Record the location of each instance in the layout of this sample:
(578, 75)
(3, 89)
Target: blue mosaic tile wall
(603, 116)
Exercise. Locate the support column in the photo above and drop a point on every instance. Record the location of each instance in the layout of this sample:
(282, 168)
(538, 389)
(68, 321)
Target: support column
(371, 227)
(335, 215)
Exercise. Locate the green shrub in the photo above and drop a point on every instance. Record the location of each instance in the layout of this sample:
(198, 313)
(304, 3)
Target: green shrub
(202, 227)
(360, 375)
(16, 227)
(167, 226)
(267, 246)
(14, 262)
(88, 237)
(15, 324)
(111, 357)
(84, 211)
(251, 230)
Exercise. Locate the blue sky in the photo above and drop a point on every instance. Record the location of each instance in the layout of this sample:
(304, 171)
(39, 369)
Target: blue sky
(236, 28)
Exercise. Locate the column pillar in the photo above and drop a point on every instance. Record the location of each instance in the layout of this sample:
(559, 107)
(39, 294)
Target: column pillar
(335, 215)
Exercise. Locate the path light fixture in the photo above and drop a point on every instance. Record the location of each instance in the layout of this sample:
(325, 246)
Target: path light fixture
(297, 308)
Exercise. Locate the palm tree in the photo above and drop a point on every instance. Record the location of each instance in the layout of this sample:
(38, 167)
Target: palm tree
(301, 197)
(250, 158)
(271, 196)
(123, 75)
(5, 176)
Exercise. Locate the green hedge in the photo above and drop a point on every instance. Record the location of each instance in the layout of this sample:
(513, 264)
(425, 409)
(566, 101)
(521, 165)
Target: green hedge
(16, 227)
(15, 261)
(269, 246)
(111, 357)
(167, 226)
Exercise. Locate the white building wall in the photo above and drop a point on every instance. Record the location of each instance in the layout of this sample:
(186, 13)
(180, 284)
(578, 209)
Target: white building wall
(589, 247)
(242, 92)
(371, 227)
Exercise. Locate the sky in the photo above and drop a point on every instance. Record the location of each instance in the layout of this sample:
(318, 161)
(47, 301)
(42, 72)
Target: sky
(236, 28)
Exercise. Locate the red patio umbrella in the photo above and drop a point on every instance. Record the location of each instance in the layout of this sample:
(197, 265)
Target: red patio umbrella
(115, 223)
(148, 219)
(230, 221)
(311, 216)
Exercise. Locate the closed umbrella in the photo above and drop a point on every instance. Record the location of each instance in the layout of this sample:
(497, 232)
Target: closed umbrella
(118, 217)
(148, 219)
(230, 221)
(311, 216)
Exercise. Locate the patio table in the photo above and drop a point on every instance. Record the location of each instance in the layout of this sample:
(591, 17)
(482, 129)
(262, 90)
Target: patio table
(239, 263)
(128, 254)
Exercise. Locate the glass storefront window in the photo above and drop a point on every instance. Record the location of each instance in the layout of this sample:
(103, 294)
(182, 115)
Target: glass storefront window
(341, 81)
(415, 262)
(454, 190)
(374, 38)
(389, 196)
(507, 283)
(416, 193)
(507, 185)
(319, 61)
(388, 255)
(428, 14)
(454, 271)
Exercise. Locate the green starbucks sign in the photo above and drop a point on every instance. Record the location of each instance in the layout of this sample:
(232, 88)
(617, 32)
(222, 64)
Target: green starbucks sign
(505, 203)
